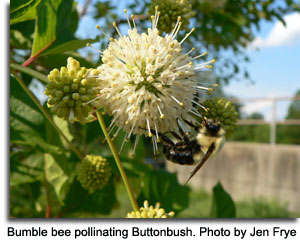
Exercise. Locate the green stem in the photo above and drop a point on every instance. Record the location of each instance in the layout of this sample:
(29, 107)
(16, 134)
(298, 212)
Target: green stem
(46, 114)
(118, 161)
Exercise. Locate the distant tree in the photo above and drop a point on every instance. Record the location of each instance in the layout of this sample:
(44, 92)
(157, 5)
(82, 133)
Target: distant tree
(255, 116)
(294, 108)
(290, 134)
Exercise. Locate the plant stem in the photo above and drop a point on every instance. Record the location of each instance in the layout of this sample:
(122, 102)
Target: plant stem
(48, 207)
(118, 161)
(46, 114)
(33, 58)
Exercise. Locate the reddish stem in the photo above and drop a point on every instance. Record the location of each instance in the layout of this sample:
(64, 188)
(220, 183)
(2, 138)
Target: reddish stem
(32, 58)
(48, 208)
(48, 211)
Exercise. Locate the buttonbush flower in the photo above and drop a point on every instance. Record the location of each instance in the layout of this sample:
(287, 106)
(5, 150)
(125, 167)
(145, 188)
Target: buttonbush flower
(150, 212)
(93, 172)
(71, 90)
(170, 10)
(147, 81)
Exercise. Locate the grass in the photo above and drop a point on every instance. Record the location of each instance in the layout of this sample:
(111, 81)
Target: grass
(200, 206)
(201, 200)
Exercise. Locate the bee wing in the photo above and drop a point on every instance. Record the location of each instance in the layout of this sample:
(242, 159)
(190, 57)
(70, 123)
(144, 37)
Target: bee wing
(204, 159)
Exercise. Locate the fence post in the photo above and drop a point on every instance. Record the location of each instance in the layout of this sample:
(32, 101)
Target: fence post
(273, 123)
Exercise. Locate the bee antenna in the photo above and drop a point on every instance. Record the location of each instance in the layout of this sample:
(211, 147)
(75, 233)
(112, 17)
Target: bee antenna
(203, 118)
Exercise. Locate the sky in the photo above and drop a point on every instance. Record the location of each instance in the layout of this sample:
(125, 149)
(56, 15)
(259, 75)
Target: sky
(274, 68)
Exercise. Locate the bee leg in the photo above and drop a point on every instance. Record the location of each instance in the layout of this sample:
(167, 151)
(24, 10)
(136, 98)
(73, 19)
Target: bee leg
(163, 137)
(190, 124)
(196, 97)
(176, 135)
(179, 127)
(184, 135)
(166, 139)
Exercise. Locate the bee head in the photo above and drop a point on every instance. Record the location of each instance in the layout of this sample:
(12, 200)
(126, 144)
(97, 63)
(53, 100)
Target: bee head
(212, 127)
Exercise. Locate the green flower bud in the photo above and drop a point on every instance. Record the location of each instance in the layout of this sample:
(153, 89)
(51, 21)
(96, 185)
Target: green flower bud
(93, 172)
(223, 111)
(170, 10)
(150, 212)
(70, 84)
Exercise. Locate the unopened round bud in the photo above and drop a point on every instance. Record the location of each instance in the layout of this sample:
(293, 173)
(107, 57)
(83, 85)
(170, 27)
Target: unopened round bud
(72, 91)
(93, 172)
(150, 212)
(170, 10)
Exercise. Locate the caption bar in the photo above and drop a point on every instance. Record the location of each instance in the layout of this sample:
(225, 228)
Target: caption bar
(153, 232)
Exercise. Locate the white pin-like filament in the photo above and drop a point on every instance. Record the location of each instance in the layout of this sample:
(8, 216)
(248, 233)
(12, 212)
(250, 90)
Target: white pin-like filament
(199, 56)
(176, 25)
(98, 27)
(187, 35)
(149, 129)
(179, 25)
(135, 143)
(191, 50)
(97, 50)
(161, 114)
(117, 29)
(123, 143)
(132, 17)
(177, 101)
(125, 11)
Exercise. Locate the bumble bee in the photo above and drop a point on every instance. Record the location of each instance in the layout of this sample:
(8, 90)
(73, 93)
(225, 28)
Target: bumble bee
(192, 150)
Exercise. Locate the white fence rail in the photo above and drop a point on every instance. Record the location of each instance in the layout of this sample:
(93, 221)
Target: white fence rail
(274, 122)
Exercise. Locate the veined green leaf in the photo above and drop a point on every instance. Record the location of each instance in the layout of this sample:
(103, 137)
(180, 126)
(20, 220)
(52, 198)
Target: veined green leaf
(63, 125)
(26, 167)
(68, 46)
(27, 123)
(53, 17)
(55, 175)
(23, 10)
(58, 60)
(31, 72)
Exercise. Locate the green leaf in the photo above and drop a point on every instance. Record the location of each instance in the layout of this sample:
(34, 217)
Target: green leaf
(64, 127)
(74, 18)
(55, 175)
(23, 10)
(25, 119)
(31, 72)
(162, 186)
(58, 60)
(101, 201)
(223, 205)
(68, 46)
(27, 124)
(53, 17)
(26, 167)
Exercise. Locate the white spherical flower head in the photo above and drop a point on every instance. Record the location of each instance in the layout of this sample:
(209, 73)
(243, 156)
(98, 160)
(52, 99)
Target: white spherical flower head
(147, 82)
